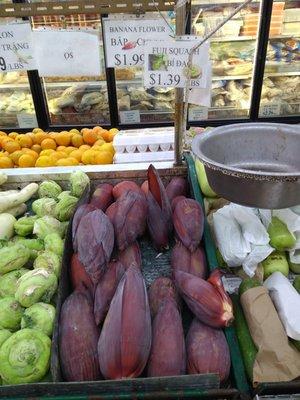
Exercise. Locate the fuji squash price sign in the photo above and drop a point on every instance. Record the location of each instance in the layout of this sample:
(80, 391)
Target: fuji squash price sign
(166, 64)
(125, 39)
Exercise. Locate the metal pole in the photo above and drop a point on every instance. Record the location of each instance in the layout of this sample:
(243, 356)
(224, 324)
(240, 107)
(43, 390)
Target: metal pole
(179, 126)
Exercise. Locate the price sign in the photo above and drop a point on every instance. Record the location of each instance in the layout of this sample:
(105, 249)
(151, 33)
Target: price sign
(198, 114)
(65, 53)
(166, 64)
(27, 120)
(16, 47)
(125, 39)
(130, 117)
(270, 110)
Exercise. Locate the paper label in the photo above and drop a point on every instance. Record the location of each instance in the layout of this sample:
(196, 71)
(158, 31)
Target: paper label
(27, 120)
(16, 48)
(166, 64)
(270, 110)
(198, 114)
(231, 284)
(67, 53)
(125, 39)
(130, 117)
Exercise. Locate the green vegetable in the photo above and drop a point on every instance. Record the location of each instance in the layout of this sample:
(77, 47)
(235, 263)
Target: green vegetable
(202, 179)
(8, 282)
(49, 189)
(64, 194)
(39, 316)
(4, 335)
(220, 259)
(296, 343)
(3, 243)
(7, 222)
(13, 257)
(10, 313)
(49, 261)
(35, 286)
(44, 206)
(246, 344)
(54, 243)
(247, 284)
(31, 244)
(79, 181)
(275, 262)
(65, 208)
(280, 237)
(294, 267)
(24, 225)
(25, 357)
(297, 283)
(45, 225)
(64, 226)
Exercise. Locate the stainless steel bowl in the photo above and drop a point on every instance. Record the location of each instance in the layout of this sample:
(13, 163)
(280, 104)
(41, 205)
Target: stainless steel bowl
(254, 164)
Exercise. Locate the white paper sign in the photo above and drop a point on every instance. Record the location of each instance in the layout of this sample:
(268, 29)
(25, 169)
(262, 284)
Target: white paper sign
(16, 48)
(270, 110)
(198, 114)
(27, 120)
(67, 53)
(166, 64)
(130, 117)
(125, 39)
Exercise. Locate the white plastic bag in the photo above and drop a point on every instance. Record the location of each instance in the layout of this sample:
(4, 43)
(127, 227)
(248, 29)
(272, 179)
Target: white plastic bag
(287, 303)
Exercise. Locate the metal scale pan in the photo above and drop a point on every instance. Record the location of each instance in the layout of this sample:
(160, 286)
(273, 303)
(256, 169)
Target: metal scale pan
(253, 164)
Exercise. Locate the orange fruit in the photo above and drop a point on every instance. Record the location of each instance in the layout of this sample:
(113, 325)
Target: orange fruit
(31, 135)
(30, 152)
(39, 136)
(64, 162)
(90, 136)
(74, 131)
(61, 154)
(37, 148)
(76, 154)
(99, 142)
(4, 139)
(47, 152)
(27, 161)
(13, 135)
(15, 156)
(61, 148)
(96, 148)
(108, 147)
(6, 162)
(63, 138)
(44, 161)
(48, 144)
(11, 146)
(84, 130)
(114, 130)
(104, 157)
(105, 135)
(69, 149)
(84, 147)
(3, 133)
(72, 161)
(89, 157)
(77, 140)
(25, 141)
(36, 130)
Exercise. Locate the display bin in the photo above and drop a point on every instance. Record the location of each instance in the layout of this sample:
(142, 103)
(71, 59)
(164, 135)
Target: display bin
(206, 386)
(238, 370)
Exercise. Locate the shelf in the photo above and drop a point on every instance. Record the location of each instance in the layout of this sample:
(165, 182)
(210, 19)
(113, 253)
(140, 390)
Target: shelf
(15, 86)
(217, 2)
(245, 38)
(274, 74)
(231, 77)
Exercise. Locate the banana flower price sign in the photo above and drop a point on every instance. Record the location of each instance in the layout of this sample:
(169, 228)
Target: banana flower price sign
(125, 39)
(166, 64)
(16, 47)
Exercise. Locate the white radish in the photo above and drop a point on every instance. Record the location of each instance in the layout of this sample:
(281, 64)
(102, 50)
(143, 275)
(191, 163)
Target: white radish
(17, 210)
(7, 222)
(16, 199)
(3, 178)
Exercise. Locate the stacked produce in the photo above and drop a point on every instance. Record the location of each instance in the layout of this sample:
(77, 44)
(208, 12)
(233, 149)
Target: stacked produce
(30, 263)
(49, 149)
(267, 304)
(110, 326)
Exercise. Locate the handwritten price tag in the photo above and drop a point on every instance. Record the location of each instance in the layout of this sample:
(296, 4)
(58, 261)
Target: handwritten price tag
(65, 53)
(130, 117)
(270, 110)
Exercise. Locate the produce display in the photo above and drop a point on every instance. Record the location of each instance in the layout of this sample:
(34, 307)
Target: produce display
(132, 330)
(49, 149)
(260, 250)
(32, 241)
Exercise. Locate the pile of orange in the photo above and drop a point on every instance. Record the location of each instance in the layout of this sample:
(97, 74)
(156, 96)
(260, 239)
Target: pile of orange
(48, 149)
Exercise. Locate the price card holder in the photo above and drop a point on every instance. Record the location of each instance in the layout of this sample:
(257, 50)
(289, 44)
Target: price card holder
(198, 114)
(16, 47)
(270, 110)
(27, 120)
(130, 117)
